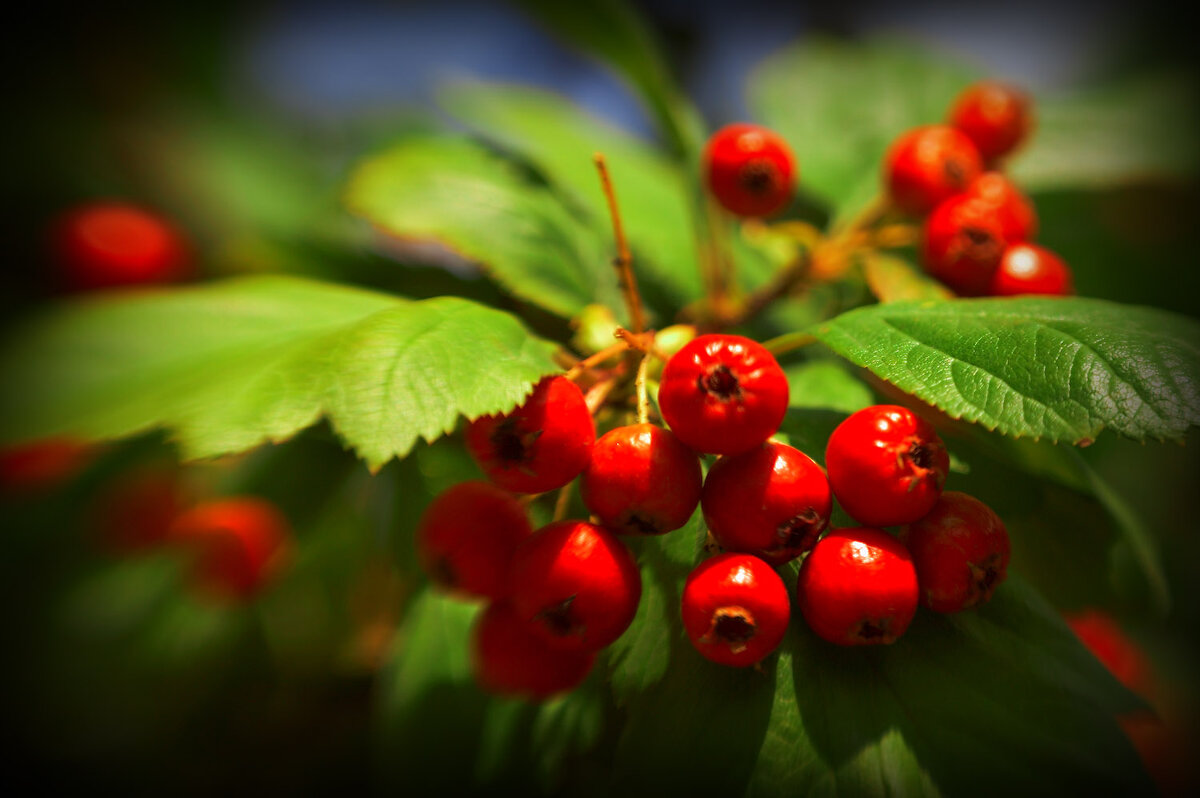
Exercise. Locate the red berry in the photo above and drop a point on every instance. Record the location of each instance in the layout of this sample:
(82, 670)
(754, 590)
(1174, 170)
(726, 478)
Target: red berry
(1030, 269)
(509, 659)
(749, 169)
(995, 116)
(735, 609)
(772, 501)
(239, 543)
(960, 550)
(963, 244)
(642, 480)
(1102, 636)
(467, 536)
(886, 465)
(41, 465)
(858, 587)
(723, 394)
(136, 513)
(539, 446)
(927, 165)
(109, 244)
(577, 584)
(1014, 211)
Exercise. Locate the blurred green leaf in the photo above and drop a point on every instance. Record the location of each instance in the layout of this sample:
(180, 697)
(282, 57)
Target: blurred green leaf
(840, 105)
(892, 279)
(560, 139)
(457, 196)
(825, 383)
(1050, 368)
(1142, 129)
(229, 365)
(611, 31)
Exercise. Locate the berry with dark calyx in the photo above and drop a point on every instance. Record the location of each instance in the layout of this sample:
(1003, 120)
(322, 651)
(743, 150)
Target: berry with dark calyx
(886, 465)
(928, 165)
(723, 394)
(735, 609)
(1014, 211)
(995, 116)
(960, 550)
(858, 587)
(541, 445)
(240, 544)
(1030, 269)
(963, 243)
(111, 244)
(509, 659)
(772, 501)
(642, 480)
(749, 169)
(467, 536)
(577, 585)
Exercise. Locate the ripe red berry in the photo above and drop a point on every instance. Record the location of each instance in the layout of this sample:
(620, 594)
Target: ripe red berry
(858, 587)
(749, 169)
(963, 243)
(723, 394)
(995, 116)
(1030, 269)
(642, 480)
(508, 658)
(541, 445)
(577, 584)
(928, 165)
(1014, 211)
(41, 465)
(239, 543)
(735, 609)
(960, 550)
(109, 244)
(467, 536)
(772, 501)
(136, 512)
(886, 465)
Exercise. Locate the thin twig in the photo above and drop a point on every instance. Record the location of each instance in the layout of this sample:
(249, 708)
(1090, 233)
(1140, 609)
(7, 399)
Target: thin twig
(789, 342)
(592, 360)
(624, 260)
(560, 504)
(643, 398)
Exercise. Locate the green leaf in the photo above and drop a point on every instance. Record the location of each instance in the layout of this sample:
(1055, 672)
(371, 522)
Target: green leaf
(1142, 129)
(640, 658)
(560, 139)
(457, 195)
(229, 365)
(892, 279)
(901, 719)
(840, 105)
(1062, 369)
(611, 31)
(825, 383)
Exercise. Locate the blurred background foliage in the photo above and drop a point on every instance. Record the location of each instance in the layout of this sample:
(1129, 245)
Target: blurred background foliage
(243, 121)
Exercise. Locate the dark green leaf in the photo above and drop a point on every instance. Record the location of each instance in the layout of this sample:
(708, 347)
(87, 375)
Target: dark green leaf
(611, 31)
(229, 365)
(825, 383)
(456, 195)
(840, 105)
(1141, 130)
(560, 139)
(640, 658)
(1040, 367)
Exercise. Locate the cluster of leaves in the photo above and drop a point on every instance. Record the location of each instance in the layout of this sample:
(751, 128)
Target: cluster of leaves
(992, 701)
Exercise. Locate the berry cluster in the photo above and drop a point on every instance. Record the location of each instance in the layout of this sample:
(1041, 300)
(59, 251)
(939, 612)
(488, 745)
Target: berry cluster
(561, 593)
(978, 226)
